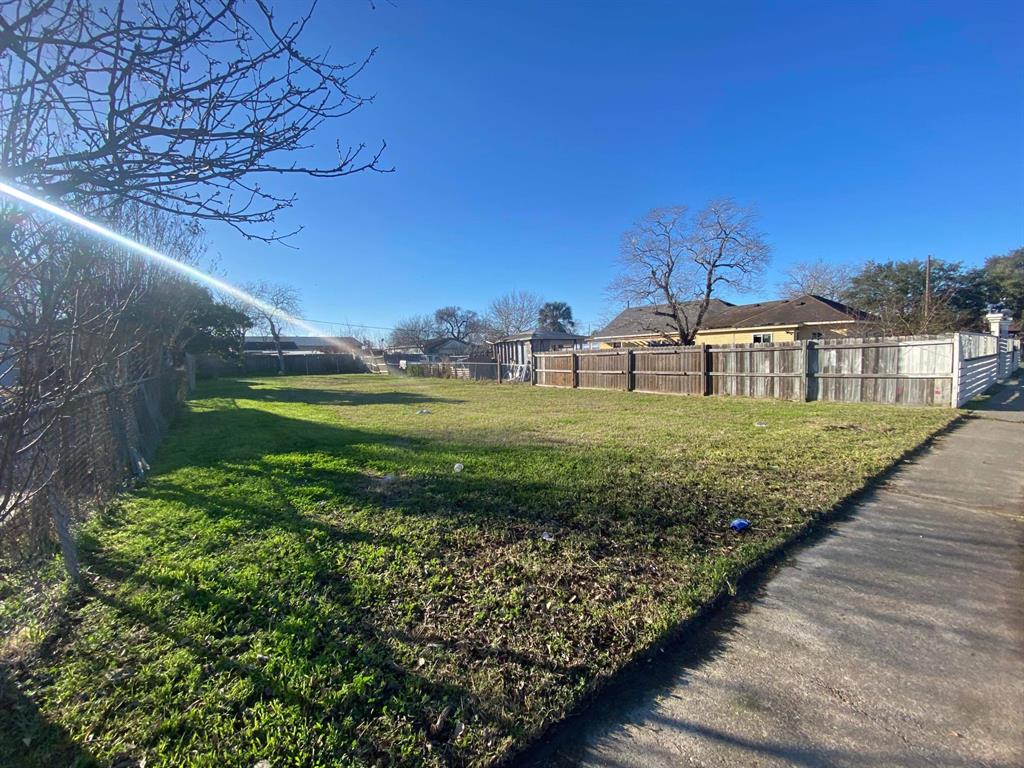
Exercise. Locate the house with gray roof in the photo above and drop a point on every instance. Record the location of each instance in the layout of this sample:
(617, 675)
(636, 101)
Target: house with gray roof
(802, 317)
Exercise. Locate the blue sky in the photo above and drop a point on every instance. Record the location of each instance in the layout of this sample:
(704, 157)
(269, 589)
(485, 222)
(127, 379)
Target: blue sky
(527, 136)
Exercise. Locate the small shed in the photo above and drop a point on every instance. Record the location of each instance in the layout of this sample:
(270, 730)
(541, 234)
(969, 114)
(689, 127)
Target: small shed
(521, 347)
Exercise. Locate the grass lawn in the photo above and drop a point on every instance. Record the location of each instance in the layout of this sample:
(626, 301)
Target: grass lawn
(305, 579)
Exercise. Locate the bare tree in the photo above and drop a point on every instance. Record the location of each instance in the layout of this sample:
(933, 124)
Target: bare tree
(281, 302)
(80, 319)
(677, 262)
(128, 112)
(457, 323)
(179, 106)
(413, 331)
(819, 278)
(515, 312)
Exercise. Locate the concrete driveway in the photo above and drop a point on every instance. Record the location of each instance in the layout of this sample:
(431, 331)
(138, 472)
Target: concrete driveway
(895, 639)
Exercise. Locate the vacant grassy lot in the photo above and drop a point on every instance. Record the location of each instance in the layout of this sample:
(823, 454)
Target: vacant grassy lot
(305, 579)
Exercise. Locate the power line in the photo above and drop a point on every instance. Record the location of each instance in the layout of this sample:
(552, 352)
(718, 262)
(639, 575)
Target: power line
(348, 323)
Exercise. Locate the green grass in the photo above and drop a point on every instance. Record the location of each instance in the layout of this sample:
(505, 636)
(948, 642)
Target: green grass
(305, 580)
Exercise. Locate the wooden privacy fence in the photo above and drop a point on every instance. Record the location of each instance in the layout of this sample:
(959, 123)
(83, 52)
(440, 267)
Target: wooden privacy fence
(917, 370)
(212, 366)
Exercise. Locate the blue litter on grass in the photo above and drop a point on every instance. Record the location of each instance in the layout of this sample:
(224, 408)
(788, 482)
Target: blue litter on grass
(739, 524)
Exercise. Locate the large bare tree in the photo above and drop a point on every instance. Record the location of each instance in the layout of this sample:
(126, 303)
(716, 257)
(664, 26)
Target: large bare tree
(182, 106)
(279, 303)
(820, 278)
(514, 312)
(457, 324)
(676, 262)
(414, 331)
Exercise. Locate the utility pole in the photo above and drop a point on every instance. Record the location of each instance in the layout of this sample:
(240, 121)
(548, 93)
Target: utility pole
(927, 291)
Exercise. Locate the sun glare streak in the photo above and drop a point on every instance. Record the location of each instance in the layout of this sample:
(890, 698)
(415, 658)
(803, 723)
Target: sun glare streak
(164, 260)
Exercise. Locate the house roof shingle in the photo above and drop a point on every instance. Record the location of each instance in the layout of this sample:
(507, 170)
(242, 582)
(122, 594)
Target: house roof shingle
(645, 320)
(642, 321)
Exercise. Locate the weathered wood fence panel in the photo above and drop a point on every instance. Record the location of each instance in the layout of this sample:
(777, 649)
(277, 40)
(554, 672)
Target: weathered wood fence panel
(670, 370)
(603, 369)
(916, 370)
(896, 371)
(554, 369)
(760, 370)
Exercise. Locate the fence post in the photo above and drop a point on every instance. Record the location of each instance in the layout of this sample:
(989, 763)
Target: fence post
(630, 371)
(574, 370)
(533, 369)
(805, 361)
(955, 381)
(61, 514)
(705, 368)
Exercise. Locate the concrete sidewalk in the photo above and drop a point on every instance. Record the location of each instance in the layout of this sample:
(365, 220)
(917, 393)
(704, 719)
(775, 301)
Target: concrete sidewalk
(897, 639)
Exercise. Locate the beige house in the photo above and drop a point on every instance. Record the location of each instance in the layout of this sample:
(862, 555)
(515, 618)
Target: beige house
(803, 317)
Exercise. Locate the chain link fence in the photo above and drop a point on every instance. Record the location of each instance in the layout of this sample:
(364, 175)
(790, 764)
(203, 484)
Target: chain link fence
(96, 444)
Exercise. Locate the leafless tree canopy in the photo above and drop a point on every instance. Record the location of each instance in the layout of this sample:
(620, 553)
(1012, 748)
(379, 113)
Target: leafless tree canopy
(457, 323)
(281, 302)
(413, 331)
(820, 278)
(152, 115)
(515, 312)
(76, 317)
(677, 261)
(182, 106)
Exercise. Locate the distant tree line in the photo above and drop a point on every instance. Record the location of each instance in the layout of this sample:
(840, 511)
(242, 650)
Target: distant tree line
(915, 296)
(515, 312)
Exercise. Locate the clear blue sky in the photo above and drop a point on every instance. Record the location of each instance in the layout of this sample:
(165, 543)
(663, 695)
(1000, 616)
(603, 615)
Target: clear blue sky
(527, 136)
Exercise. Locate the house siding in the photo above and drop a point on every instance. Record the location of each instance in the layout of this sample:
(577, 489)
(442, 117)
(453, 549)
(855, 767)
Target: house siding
(745, 335)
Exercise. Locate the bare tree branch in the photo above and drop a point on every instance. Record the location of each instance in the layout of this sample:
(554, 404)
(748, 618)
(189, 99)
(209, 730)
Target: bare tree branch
(677, 262)
(178, 106)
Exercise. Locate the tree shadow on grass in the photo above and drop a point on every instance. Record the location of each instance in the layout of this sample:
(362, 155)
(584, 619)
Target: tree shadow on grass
(313, 468)
(256, 390)
(30, 739)
(176, 558)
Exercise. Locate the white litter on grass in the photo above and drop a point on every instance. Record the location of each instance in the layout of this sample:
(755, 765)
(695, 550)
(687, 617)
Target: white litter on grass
(459, 467)
(547, 536)
(760, 423)
(422, 412)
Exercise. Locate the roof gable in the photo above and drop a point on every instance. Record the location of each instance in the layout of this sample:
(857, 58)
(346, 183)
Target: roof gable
(649, 319)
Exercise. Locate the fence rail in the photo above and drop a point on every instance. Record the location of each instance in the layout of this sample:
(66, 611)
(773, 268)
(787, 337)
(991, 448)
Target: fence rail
(917, 370)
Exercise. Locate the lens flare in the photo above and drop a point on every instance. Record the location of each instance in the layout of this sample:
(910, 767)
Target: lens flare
(162, 259)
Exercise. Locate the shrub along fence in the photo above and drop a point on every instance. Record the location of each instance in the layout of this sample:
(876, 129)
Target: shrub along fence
(914, 370)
